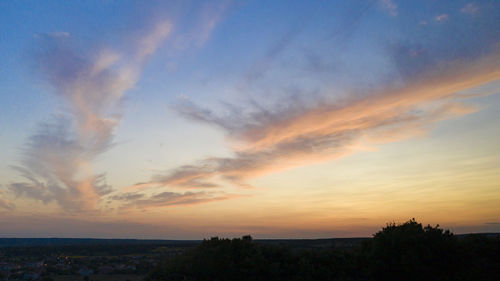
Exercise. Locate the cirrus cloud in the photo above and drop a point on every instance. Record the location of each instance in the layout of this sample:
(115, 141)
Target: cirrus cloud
(297, 134)
(57, 160)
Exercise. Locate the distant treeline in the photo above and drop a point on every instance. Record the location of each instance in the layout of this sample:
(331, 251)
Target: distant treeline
(28, 242)
(407, 251)
(40, 247)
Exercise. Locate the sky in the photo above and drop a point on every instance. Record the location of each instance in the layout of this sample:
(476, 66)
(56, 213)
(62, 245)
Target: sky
(278, 119)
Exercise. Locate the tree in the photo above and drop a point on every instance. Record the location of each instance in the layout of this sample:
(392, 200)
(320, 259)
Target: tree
(409, 251)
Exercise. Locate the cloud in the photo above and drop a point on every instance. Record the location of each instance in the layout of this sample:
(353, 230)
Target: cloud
(470, 8)
(151, 41)
(53, 35)
(57, 160)
(211, 14)
(201, 23)
(298, 134)
(412, 59)
(315, 63)
(263, 65)
(59, 34)
(390, 7)
(167, 198)
(441, 18)
(5, 204)
(349, 22)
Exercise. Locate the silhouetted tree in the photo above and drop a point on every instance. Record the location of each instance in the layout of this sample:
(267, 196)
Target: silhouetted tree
(409, 251)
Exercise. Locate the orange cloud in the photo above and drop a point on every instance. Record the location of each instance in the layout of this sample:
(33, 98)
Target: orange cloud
(327, 131)
(57, 163)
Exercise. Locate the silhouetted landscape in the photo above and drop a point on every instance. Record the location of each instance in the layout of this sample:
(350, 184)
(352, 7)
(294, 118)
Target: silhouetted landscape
(407, 251)
(237, 140)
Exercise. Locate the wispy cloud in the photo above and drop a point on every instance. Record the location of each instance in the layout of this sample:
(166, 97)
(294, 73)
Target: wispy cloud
(202, 24)
(5, 204)
(167, 198)
(148, 44)
(314, 62)
(470, 8)
(390, 7)
(264, 64)
(57, 160)
(210, 16)
(441, 18)
(265, 141)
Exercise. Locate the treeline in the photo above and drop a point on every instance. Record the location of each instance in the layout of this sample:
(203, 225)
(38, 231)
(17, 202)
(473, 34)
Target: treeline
(405, 251)
(30, 242)
(90, 250)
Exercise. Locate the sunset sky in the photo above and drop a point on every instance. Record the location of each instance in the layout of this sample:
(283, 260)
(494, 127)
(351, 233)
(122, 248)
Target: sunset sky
(279, 119)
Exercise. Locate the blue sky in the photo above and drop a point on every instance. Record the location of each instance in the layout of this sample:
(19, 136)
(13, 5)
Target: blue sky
(280, 119)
